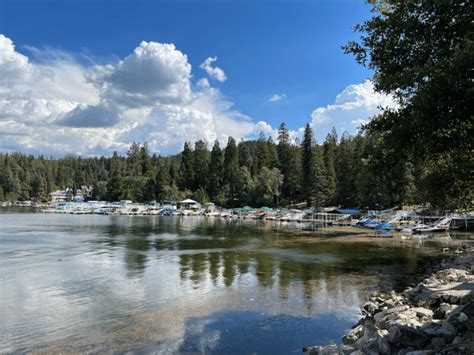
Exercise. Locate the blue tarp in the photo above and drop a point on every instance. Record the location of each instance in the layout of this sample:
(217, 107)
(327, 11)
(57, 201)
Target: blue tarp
(347, 211)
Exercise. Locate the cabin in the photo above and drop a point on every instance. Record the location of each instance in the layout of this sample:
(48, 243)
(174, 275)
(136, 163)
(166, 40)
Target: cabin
(84, 193)
(169, 205)
(61, 195)
(189, 204)
(210, 207)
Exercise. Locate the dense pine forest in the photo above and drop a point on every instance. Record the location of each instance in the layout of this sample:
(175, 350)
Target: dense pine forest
(350, 171)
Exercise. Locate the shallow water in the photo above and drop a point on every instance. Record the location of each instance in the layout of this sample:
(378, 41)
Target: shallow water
(167, 284)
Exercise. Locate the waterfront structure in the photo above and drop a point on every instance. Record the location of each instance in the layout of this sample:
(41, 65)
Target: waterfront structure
(189, 204)
(61, 195)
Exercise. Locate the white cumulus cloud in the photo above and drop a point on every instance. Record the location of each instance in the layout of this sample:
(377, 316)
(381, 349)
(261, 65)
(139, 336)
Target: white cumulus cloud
(154, 72)
(277, 97)
(354, 106)
(54, 105)
(203, 83)
(214, 72)
(50, 103)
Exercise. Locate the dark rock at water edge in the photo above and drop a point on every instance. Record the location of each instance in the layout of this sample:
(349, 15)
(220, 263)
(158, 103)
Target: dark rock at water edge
(436, 316)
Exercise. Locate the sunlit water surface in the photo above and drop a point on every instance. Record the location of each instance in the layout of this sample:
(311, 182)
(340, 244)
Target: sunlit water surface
(164, 284)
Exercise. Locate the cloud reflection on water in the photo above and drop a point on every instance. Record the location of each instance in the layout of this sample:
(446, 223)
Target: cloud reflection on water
(125, 284)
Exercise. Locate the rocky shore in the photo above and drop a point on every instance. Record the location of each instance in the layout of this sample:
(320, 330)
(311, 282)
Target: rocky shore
(434, 317)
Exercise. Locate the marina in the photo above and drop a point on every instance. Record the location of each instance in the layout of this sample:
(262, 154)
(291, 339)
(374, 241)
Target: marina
(403, 221)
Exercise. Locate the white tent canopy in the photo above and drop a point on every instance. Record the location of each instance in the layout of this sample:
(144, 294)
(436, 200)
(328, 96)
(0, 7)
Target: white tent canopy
(189, 201)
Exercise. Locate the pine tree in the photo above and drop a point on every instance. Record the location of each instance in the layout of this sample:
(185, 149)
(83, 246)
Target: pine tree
(201, 164)
(245, 158)
(330, 146)
(319, 180)
(262, 153)
(187, 167)
(313, 180)
(284, 158)
(39, 188)
(134, 160)
(145, 162)
(307, 160)
(231, 168)
(114, 187)
(272, 154)
(215, 169)
(175, 172)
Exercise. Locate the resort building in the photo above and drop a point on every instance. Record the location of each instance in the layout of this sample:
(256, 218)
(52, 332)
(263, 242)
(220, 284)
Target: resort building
(61, 195)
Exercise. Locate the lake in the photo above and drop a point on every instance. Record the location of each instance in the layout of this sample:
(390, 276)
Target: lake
(186, 284)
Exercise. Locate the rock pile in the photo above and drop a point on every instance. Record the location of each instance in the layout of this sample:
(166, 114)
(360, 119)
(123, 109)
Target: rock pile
(434, 317)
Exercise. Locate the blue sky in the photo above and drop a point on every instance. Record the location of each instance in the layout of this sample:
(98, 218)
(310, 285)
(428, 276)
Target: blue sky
(288, 50)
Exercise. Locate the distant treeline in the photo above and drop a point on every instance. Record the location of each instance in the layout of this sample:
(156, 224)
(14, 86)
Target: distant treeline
(350, 171)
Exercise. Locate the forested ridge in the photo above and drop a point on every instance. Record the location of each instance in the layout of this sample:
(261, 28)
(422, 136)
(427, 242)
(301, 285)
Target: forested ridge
(349, 171)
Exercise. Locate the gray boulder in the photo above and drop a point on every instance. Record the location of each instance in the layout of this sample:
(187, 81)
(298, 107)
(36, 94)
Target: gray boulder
(406, 337)
(353, 335)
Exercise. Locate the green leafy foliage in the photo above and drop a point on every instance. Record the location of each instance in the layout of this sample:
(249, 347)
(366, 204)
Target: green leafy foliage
(422, 53)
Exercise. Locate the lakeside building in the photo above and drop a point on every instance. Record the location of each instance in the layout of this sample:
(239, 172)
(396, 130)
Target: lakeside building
(169, 205)
(84, 193)
(189, 204)
(61, 195)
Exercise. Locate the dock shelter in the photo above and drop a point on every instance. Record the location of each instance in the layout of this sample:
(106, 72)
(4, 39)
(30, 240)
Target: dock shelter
(351, 211)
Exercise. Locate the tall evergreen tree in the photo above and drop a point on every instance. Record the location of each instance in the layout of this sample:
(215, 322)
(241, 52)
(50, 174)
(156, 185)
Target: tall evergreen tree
(215, 169)
(313, 181)
(187, 167)
(330, 146)
(145, 161)
(272, 154)
(201, 162)
(319, 179)
(245, 158)
(231, 168)
(289, 159)
(307, 160)
(163, 181)
(134, 160)
(262, 158)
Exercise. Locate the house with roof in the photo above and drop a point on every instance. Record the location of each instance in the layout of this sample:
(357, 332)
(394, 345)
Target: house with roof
(189, 204)
(61, 195)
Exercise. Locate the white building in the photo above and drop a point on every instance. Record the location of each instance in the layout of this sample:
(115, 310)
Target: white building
(61, 195)
(190, 204)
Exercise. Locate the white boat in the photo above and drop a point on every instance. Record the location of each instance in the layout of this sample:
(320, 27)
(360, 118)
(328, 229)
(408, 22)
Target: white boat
(213, 214)
(295, 215)
(443, 224)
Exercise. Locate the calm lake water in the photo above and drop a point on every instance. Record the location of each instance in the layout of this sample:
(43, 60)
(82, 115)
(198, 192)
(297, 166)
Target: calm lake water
(164, 284)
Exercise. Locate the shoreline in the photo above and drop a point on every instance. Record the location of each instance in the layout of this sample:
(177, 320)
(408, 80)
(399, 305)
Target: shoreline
(436, 316)
(324, 233)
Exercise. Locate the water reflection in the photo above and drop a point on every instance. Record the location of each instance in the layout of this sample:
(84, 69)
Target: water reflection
(97, 283)
(281, 269)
